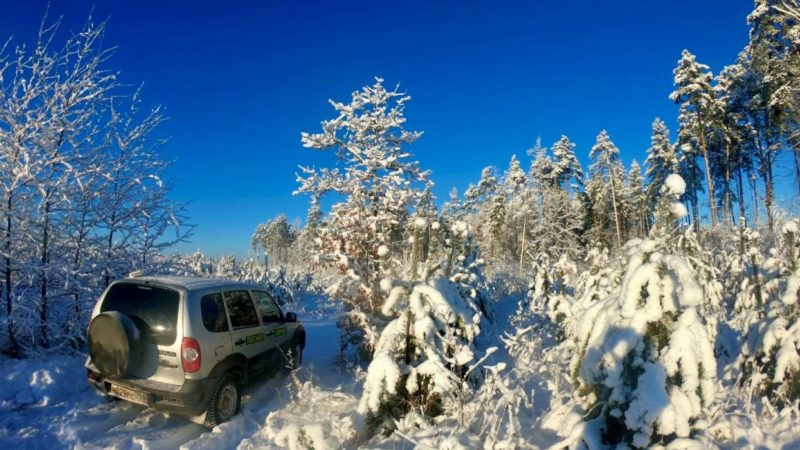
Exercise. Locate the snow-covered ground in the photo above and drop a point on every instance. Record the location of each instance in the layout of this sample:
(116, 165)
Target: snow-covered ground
(47, 403)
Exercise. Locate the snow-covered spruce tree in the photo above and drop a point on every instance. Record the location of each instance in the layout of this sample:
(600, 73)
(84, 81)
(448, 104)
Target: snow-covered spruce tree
(752, 295)
(422, 357)
(378, 185)
(662, 160)
(495, 228)
(551, 292)
(645, 363)
(770, 358)
(600, 276)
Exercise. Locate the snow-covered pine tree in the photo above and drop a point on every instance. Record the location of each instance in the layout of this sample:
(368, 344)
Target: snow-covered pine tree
(514, 178)
(636, 202)
(454, 207)
(542, 170)
(514, 185)
(302, 253)
(732, 131)
(274, 238)
(773, 59)
(554, 217)
(379, 186)
(477, 195)
(606, 192)
(566, 171)
(695, 96)
(645, 363)
(495, 226)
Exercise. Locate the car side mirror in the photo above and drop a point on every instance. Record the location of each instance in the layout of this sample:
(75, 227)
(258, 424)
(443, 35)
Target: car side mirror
(291, 317)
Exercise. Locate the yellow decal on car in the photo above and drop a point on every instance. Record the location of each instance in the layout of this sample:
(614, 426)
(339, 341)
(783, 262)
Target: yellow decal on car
(280, 331)
(253, 338)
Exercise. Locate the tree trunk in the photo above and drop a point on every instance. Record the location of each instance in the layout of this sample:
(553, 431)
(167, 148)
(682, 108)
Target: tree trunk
(757, 284)
(766, 173)
(741, 239)
(754, 192)
(796, 153)
(740, 192)
(728, 202)
(616, 213)
(712, 201)
(43, 274)
(109, 247)
(76, 267)
(769, 193)
(12, 339)
(522, 248)
(409, 341)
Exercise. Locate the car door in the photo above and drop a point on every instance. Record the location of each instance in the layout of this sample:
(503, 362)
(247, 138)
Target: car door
(247, 335)
(278, 334)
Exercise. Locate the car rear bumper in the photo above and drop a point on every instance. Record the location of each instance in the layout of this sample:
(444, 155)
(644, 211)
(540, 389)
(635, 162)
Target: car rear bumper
(190, 399)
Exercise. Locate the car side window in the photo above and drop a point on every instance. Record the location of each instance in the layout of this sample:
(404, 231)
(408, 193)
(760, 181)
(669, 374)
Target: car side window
(241, 309)
(213, 310)
(267, 307)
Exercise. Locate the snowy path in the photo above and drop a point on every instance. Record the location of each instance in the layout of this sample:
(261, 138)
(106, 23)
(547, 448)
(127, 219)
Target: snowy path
(47, 403)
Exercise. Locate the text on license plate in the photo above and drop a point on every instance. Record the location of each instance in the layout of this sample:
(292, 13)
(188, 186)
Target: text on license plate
(129, 394)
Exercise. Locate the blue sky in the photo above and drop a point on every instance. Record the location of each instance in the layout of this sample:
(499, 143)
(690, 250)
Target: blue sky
(241, 79)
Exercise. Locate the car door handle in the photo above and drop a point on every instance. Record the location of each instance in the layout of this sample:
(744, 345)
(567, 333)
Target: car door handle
(239, 342)
(269, 333)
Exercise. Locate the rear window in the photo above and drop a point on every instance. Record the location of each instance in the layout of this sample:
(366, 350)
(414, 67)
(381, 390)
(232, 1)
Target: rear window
(154, 310)
(213, 311)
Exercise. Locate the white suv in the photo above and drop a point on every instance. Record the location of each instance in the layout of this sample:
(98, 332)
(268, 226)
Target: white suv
(188, 345)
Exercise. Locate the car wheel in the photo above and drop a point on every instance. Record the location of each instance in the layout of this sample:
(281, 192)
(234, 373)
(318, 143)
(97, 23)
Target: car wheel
(297, 355)
(225, 401)
(292, 357)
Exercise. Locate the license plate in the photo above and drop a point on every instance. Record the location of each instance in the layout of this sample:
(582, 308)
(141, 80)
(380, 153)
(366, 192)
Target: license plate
(129, 395)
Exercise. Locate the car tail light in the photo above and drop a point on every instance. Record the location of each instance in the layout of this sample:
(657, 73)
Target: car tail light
(190, 355)
(92, 376)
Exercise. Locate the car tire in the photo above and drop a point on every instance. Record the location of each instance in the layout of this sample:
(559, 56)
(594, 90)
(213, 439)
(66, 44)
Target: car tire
(225, 401)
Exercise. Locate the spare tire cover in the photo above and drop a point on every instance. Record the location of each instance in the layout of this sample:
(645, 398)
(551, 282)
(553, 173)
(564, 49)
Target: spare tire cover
(114, 344)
